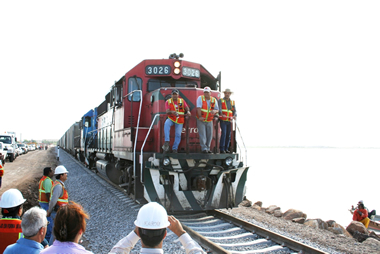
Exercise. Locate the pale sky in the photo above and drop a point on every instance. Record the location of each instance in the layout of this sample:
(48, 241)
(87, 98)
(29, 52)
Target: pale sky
(303, 72)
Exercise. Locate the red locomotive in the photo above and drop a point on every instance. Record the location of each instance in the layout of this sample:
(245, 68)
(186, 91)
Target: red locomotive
(123, 137)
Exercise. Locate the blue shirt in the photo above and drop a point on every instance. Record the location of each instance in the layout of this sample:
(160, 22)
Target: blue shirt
(24, 245)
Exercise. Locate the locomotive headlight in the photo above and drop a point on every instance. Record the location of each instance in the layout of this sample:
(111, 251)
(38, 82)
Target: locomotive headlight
(177, 64)
(228, 161)
(177, 71)
(166, 161)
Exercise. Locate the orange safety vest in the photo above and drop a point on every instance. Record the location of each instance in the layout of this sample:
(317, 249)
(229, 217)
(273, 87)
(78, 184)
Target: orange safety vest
(181, 111)
(64, 199)
(42, 198)
(227, 114)
(206, 110)
(1, 171)
(10, 232)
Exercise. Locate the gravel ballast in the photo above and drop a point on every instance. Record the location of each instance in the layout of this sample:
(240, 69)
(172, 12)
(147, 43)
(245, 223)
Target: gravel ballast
(112, 217)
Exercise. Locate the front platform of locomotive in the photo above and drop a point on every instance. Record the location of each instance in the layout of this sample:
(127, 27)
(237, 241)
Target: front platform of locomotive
(190, 180)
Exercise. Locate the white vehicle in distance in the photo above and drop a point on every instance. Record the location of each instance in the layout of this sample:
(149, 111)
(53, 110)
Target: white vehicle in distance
(3, 153)
(23, 147)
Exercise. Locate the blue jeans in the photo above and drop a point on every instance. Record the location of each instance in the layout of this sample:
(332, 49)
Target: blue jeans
(225, 137)
(45, 206)
(52, 237)
(178, 130)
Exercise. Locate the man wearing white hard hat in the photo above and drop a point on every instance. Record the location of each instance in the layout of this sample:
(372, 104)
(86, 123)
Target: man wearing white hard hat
(59, 195)
(207, 110)
(34, 226)
(11, 204)
(151, 223)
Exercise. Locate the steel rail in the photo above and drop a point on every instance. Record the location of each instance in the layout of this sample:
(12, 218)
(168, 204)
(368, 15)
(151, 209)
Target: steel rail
(279, 239)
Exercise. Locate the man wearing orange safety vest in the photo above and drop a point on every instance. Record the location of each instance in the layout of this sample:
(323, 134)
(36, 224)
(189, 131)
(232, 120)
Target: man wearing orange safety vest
(59, 195)
(227, 113)
(207, 109)
(44, 188)
(11, 204)
(176, 108)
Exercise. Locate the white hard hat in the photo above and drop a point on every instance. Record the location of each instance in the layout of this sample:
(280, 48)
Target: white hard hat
(60, 170)
(152, 216)
(11, 198)
(207, 89)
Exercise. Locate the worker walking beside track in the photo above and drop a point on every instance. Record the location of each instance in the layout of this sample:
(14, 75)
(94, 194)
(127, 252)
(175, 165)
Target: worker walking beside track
(11, 204)
(44, 188)
(59, 196)
(151, 223)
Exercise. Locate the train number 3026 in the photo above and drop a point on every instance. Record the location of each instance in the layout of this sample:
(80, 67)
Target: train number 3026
(157, 70)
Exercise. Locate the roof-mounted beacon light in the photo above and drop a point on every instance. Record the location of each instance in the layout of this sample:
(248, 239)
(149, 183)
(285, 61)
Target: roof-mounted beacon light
(175, 56)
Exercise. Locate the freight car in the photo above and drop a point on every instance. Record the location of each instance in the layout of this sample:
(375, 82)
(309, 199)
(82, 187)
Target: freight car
(122, 138)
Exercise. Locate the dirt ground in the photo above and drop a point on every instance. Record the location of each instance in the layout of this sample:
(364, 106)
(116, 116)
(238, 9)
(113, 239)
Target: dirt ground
(25, 172)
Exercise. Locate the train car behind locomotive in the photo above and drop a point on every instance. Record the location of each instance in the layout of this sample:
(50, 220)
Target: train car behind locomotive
(123, 137)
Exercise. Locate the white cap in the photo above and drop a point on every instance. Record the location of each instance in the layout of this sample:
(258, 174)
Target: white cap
(360, 202)
(207, 89)
(152, 216)
(60, 170)
(11, 198)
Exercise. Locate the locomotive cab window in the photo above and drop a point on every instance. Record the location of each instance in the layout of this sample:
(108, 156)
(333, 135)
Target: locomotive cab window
(154, 84)
(87, 121)
(185, 84)
(134, 84)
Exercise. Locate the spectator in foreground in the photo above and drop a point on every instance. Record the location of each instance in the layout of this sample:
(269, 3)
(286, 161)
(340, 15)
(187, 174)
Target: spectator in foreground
(69, 226)
(151, 223)
(34, 227)
(44, 189)
(59, 196)
(11, 204)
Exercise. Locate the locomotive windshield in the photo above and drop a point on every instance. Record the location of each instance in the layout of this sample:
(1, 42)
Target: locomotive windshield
(154, 84)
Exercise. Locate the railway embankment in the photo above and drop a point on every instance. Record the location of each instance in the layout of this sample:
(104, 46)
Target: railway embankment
(325, 235)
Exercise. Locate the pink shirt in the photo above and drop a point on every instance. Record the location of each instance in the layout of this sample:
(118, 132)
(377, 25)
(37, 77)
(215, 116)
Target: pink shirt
(66, 247)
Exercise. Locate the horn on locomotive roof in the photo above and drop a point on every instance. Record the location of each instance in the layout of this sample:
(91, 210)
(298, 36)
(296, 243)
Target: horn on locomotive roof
(175, 56)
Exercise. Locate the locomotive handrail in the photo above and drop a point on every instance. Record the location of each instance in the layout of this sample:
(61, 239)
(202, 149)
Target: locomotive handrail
(245, 148)
(137, 129)
(142, 147)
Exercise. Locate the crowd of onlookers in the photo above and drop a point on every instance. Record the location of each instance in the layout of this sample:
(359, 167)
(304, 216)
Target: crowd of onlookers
(57, 225)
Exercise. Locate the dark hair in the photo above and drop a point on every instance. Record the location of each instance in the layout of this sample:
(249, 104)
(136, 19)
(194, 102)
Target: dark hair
(11, 212)
(70, 219)
(361, 206)
(47, 170)
(58, 176)
(152, 237)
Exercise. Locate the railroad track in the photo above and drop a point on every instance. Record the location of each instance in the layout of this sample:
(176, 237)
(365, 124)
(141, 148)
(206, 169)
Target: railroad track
(220, 232)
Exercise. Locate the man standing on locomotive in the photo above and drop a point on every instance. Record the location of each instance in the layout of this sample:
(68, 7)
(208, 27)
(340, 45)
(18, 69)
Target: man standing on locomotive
(207, 109)
(176, 108)
(227, 112)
